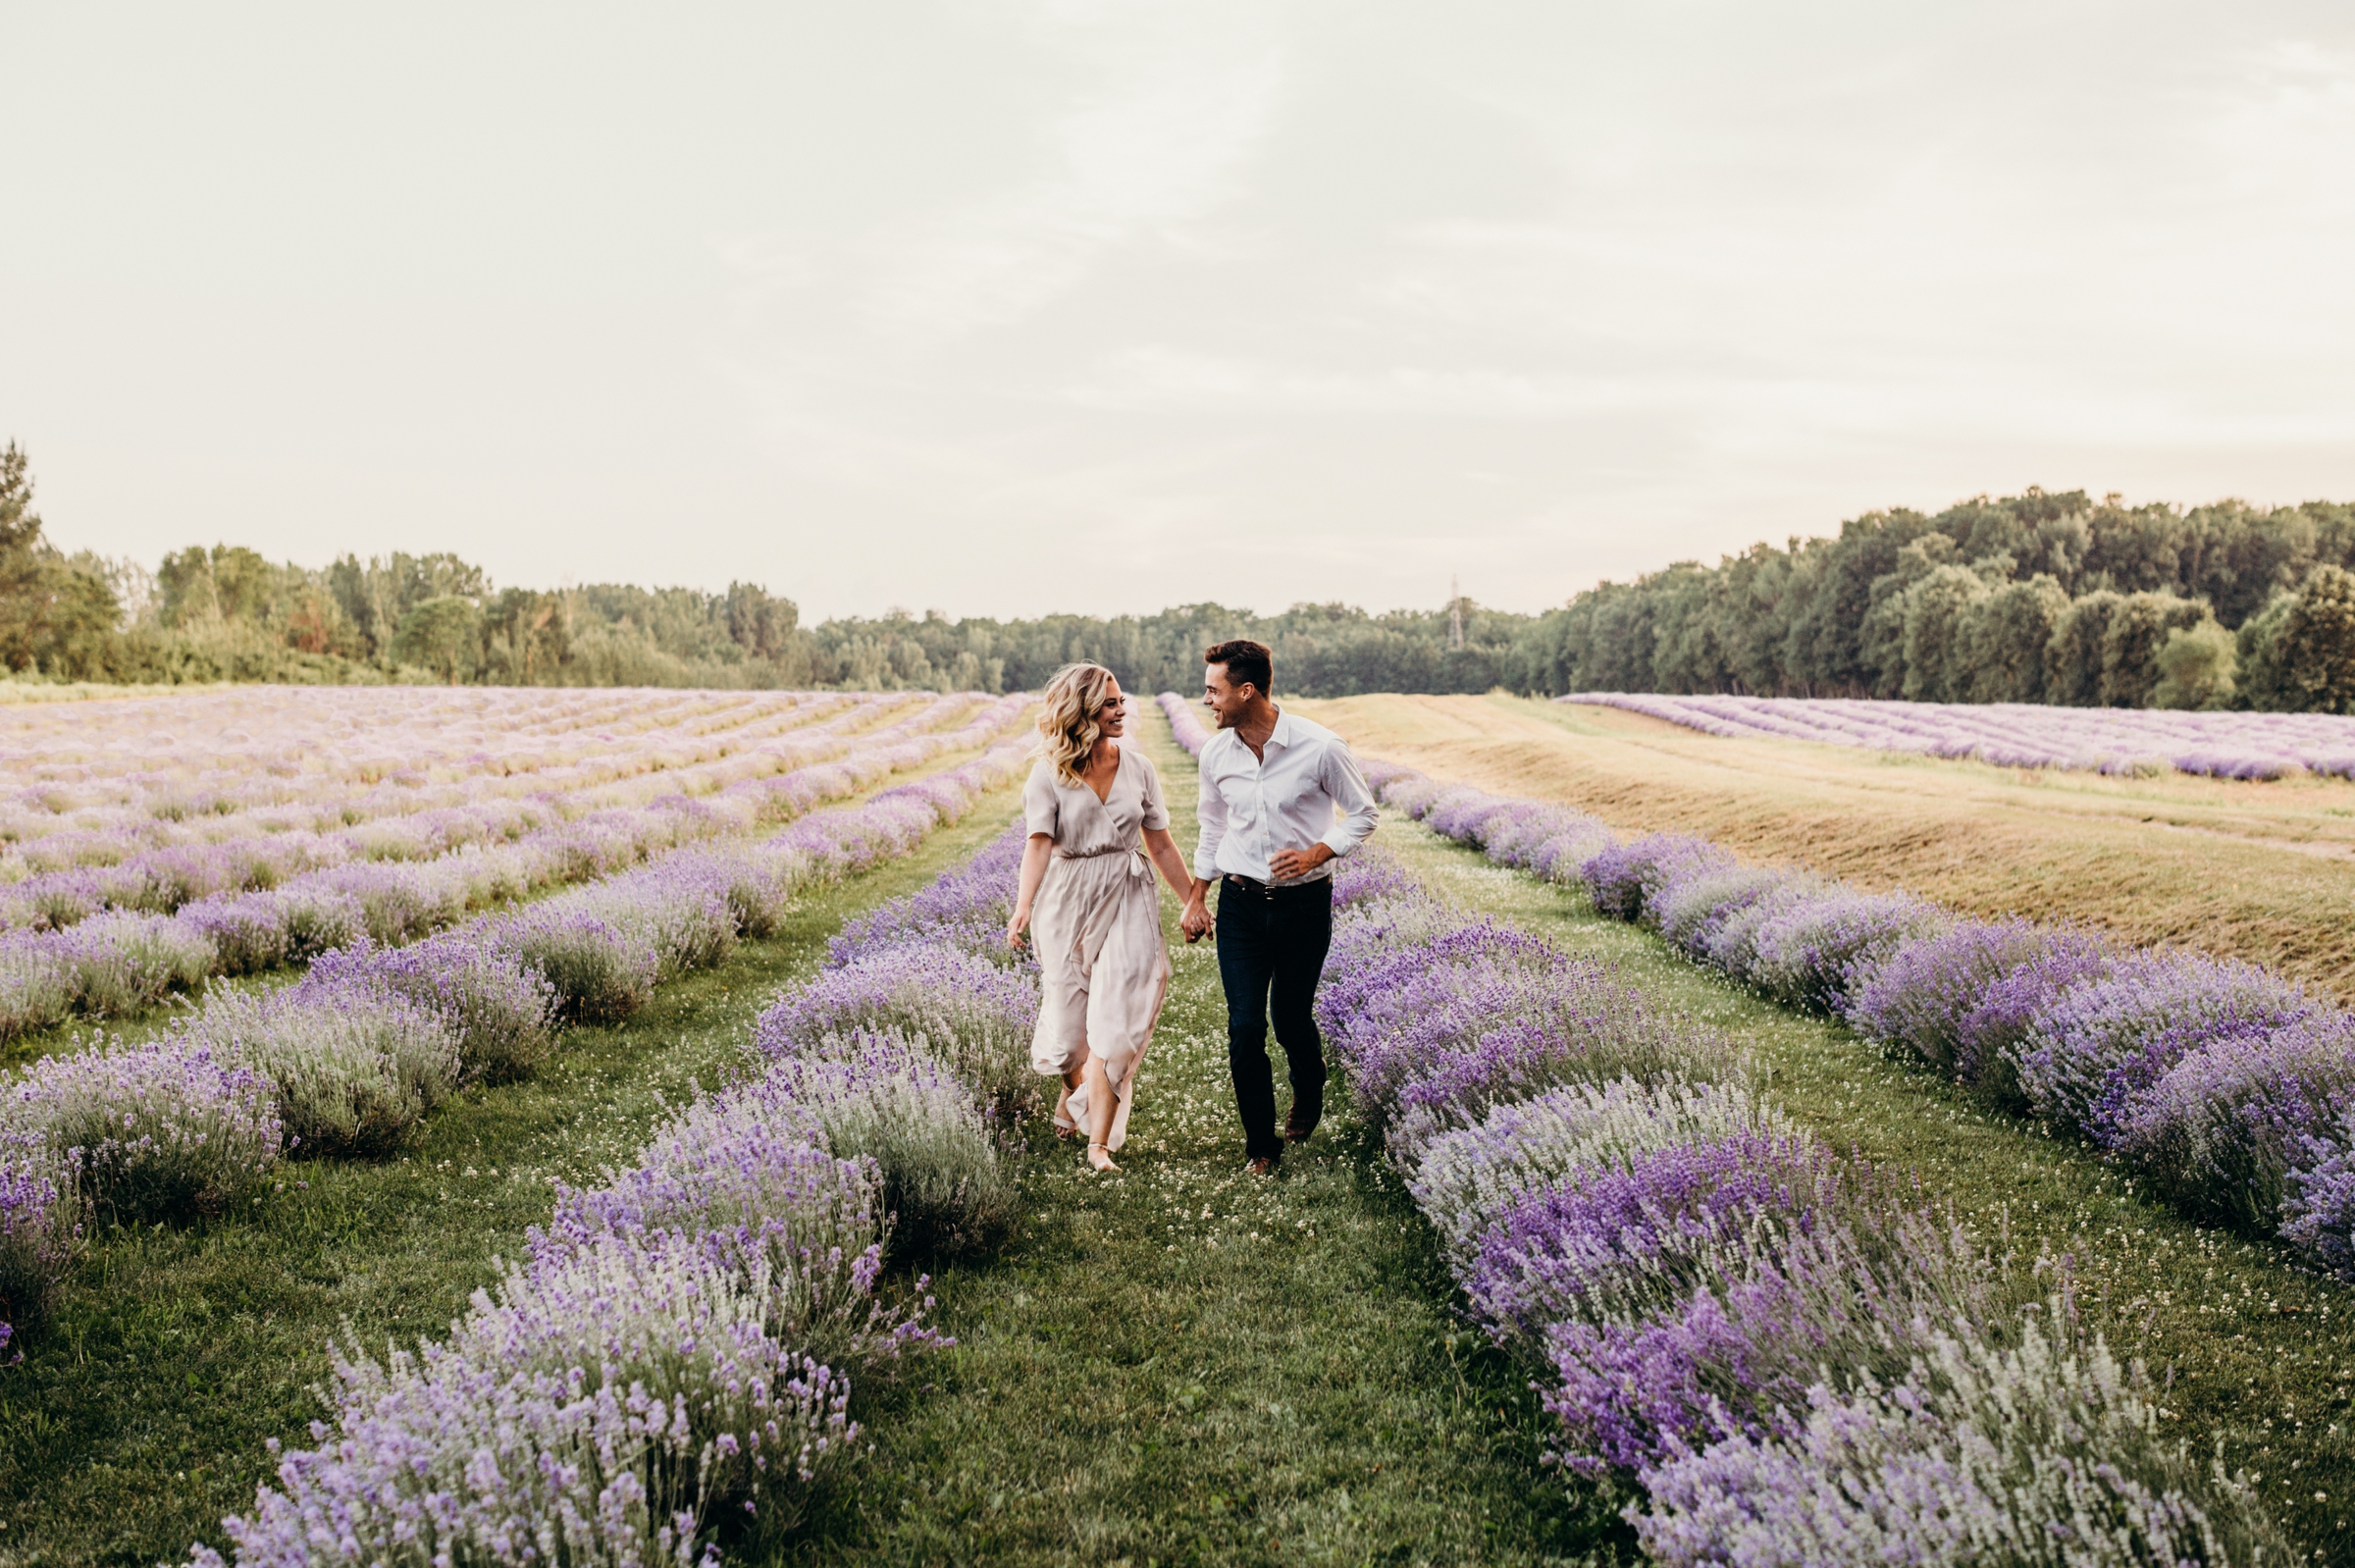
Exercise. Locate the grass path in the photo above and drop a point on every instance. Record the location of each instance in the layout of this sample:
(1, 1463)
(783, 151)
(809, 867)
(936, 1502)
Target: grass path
(138, 1417)
(2254, 1353)
(1185, 1365)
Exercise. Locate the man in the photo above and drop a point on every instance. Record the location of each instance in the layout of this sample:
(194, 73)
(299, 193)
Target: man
(1271, 787)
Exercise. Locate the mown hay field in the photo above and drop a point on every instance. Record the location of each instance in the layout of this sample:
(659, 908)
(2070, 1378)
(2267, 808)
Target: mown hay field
(2264, 872)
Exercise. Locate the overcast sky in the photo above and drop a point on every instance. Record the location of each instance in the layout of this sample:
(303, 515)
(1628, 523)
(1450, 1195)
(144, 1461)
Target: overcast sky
(1007, 308)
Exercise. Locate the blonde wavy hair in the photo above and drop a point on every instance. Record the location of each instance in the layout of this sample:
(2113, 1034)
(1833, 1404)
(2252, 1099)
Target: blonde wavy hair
(1073, 720)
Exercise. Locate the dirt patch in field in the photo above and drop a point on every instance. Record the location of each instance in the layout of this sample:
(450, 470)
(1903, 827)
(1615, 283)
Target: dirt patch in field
(2258, 871)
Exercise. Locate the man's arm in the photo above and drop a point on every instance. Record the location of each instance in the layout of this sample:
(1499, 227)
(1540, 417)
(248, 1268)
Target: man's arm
(1210, 816)
(1337, 773)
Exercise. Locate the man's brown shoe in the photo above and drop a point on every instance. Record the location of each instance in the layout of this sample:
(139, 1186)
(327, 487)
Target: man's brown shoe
(1293, 1132)
(1263, 1166)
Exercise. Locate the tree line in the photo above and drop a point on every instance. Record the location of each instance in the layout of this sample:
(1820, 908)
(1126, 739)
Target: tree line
(2038, 597)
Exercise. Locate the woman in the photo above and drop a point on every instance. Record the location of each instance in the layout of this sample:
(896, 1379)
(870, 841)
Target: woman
(1103, 969)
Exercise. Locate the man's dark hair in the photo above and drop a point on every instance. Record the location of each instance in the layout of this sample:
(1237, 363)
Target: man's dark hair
(1246, 661)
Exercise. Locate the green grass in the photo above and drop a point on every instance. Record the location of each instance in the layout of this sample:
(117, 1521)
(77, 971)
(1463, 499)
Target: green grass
(138, 1417)
(1183, 1363)
(2250, 1350)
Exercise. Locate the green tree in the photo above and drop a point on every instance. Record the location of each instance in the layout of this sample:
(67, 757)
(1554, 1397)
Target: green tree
(2006, 635)
(2138, 628)
(1937, 613)
(2197, 667)
(438, 633)
(57, 615)
(2073, 660)
(2316, 643)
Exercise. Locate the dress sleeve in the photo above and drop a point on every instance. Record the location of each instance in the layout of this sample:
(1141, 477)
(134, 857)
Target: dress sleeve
(1155, 810)
(1042, 805)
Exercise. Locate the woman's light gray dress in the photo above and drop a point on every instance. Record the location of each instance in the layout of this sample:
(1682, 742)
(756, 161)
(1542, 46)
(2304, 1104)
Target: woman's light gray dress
(1104, 967)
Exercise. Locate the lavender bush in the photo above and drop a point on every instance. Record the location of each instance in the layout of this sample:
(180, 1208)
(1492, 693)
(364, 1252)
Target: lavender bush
(1698, 1282)
(40, 1229)
(619, 1405)
(1469, 1177)
(1812, 953)
(748, 1176)
(165, 1130)
(1962, 1001)
(885, 1097)
(2222, 1134)
(2103, 1041)
(2044, 1452)
(354, 1069)
(503, 1013)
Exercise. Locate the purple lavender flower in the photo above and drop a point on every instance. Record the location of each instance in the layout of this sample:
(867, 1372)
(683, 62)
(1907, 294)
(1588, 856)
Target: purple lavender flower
(1962, 999)
(1811, 952)
(2102, 1041)
(2045, 1450)
(1370, 872)
(965, 909)
(2219, 1132)
(40, 1226)
(979, 1014)
(1624, 879)
(165, 1129)
(1723, 1330)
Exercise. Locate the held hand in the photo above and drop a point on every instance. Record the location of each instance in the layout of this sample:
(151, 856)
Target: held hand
(1291, 865)
(1014, 928)
(1195, 921)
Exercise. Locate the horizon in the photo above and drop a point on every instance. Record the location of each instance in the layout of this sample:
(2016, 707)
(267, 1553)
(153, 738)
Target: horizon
(1015, 310)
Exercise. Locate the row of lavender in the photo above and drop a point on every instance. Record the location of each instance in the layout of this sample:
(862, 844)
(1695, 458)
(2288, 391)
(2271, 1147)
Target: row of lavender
(349, 1060)
(1187, 724)
(292, 785)
(113, 966)
(2227, 1089)
(1795, 1363)
(671, 1371)
(2106, 740)
(1795, 1359)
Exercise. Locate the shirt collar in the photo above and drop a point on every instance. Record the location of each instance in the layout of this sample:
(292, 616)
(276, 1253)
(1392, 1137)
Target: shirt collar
(1286, 732)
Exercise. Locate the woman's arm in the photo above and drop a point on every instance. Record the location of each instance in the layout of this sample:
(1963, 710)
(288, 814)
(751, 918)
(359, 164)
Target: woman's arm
(1171, 860)
(1025, 888)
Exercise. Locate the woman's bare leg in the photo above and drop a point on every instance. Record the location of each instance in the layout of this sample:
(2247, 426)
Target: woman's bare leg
(1072, 1077)
(1100, 1104)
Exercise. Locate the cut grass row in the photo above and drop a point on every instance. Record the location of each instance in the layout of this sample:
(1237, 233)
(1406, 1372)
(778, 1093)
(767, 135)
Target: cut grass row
(2252, 1353)
(2264, 872)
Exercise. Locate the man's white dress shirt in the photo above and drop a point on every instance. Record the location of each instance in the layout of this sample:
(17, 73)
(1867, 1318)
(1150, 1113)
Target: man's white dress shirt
(1252, 807)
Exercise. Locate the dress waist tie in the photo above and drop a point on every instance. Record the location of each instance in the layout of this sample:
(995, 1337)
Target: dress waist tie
(1088, 940)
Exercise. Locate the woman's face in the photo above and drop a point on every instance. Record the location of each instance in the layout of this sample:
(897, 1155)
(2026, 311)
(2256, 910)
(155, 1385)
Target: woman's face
(1113, 716)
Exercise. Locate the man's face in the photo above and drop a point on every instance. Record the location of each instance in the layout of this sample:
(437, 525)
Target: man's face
(1225, 699)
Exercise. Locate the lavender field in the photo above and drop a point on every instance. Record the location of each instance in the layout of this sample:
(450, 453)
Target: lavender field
(2105, 739)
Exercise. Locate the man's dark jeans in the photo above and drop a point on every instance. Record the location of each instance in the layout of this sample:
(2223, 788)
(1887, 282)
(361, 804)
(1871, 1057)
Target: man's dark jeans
(1270, 951)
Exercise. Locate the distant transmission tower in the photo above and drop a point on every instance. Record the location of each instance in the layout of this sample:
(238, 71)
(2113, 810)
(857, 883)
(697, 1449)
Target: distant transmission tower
(1455, 611)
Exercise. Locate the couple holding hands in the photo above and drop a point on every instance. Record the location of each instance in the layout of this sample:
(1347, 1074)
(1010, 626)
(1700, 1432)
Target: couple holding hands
(1282, 798)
